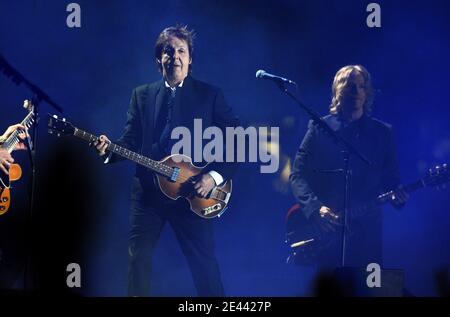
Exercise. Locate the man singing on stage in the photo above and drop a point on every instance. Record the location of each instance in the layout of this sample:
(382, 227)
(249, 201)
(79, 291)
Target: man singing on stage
(155, 109)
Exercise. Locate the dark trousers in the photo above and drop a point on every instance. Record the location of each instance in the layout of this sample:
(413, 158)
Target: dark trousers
(195, 235)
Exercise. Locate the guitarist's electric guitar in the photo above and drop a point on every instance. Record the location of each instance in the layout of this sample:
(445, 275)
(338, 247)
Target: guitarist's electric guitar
(306, 236)
(15, 171)
(175, 174)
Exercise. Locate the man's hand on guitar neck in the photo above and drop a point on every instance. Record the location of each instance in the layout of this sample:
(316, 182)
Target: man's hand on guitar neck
(101, 144)
(22, 135)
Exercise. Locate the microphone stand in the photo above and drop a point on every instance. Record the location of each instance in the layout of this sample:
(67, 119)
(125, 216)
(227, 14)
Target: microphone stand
(38, 96)
(347, 151)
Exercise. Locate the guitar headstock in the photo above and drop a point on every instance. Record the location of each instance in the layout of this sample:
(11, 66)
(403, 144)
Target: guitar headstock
(437, 176)
(60, 127)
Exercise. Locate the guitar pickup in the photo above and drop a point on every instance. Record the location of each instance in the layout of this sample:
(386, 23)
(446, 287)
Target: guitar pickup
(175, 174)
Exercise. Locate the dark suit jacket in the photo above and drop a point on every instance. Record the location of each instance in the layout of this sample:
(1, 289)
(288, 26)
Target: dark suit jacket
(313, 188)
(317, 152)
(195, 100)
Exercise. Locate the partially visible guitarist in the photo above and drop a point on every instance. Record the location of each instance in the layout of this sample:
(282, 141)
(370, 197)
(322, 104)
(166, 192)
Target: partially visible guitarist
(5, 157)
(320, 191)
(155, 109)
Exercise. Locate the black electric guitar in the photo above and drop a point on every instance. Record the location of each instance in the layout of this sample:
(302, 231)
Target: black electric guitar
(15, 171)
(175, 173)
(306, 238)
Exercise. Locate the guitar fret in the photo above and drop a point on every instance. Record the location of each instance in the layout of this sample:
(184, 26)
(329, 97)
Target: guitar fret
(140, 159)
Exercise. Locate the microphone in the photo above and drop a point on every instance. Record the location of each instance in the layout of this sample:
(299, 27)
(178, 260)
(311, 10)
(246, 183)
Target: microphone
(263, 74)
